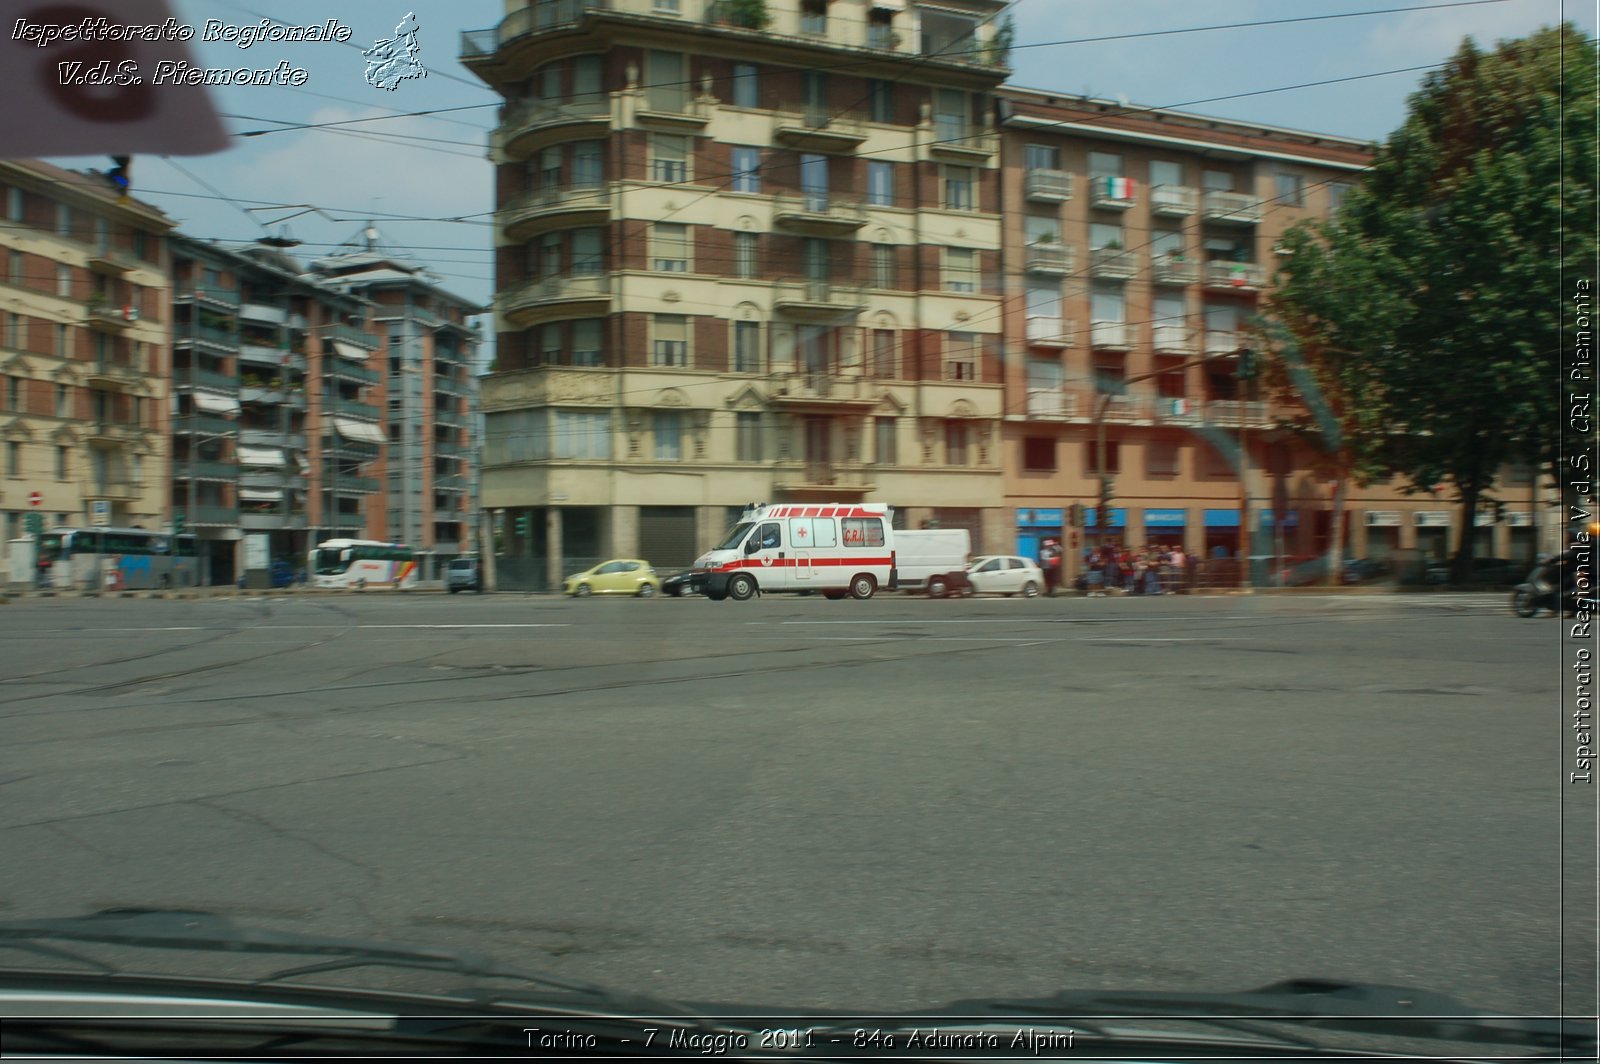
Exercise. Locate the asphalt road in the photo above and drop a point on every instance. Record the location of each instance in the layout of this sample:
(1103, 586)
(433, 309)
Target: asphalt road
(885, 804)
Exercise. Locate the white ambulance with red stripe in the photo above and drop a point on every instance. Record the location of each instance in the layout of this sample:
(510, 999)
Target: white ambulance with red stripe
(837, 549)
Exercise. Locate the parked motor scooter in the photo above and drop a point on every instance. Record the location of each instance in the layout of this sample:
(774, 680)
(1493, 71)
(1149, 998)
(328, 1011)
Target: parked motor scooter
(1550, 580)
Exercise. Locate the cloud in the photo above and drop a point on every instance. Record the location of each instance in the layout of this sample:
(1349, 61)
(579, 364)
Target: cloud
(1433, 36)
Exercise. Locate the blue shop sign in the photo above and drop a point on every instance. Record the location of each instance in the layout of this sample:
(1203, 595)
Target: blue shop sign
(1045, 518)
(1222, 518)
(1291, 519)
(1119, 517)
(1164, 518)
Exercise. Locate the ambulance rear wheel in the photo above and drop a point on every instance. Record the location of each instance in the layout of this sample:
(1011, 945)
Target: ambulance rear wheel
(862, 585)
(741, 587)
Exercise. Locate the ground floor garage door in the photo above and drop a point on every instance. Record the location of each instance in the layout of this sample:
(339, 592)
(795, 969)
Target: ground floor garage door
(667, 536)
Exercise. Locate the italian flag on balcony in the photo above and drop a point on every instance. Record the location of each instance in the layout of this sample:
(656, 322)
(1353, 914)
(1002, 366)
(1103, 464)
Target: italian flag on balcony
(1119, 187)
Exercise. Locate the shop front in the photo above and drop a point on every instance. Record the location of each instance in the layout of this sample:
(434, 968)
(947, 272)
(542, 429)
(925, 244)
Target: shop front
(1275, 538)
(1165, 528)
(1034, 526)
(1383, 534)
(1433, 534)
(1116, 533)
(1222, 533)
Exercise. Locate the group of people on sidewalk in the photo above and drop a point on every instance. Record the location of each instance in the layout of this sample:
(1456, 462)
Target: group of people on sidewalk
(1153, 570)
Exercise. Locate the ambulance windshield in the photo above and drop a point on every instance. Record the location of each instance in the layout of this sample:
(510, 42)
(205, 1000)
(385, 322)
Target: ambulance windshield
(735, 536)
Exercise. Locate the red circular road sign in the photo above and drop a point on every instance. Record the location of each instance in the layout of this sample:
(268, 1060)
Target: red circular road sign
(35, 499)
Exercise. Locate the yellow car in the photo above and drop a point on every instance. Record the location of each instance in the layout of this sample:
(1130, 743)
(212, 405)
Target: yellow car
(620, 576)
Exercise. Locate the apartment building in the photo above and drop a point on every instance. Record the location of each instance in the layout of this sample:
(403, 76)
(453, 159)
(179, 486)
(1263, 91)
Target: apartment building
(746, 252)
(425, 367)
(1138, 246)
(277, 410)
(84, 393)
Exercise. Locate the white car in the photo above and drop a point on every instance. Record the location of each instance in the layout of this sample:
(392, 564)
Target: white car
(1006, 574)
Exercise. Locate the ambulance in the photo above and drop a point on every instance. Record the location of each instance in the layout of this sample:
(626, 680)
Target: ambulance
(836, 549)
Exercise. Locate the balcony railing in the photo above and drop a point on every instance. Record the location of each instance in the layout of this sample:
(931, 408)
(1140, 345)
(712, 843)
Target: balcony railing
(818, 299)
(113, 316)
(1221, 343)
(189, 331)
(1051, 259)
(204, 469)
(203, 425)
(821, 129)
(1174, 201)
(1051, 402)
(345, 369)
(350, 335)
(1235, 276)
(1172, 340)
(205, 378)
(1050, 331)
(273, 437)
(1109, 334)
(355, 408)
(113, 375)
(524, 304)
(1047, 186)
(264, 313)
(1170, 270)
(220, 297)
(820, 214)
(1110, 193)
(526, 117)
(520, 215)
(1112, 264)
(116, 489)
(206, 514)
(1240, 208)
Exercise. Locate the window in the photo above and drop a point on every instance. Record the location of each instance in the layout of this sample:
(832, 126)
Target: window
(13, 459)
(580, 434)
(745, 85)
(585, 252)
(586, 81)
(63, 220)
(958, 188)
(550, 255)
(550, 82)
(961, 356)
(1103, 235)
(814, 182)
(63, 462)
(880, 100)
(666, 7)
(880, 183)
(1291, 190)
(1041, 157)
(949, 115)
(814, 17)
(550, 169)
(586, 342)
(669, 157)
(14, 394)
(140, 245)
(747, 347)
(1161, 458)
(1039, 454)
(14, 204)
(63, 279)
(586, 170)
(1104, 164)
(14, 271)
(960, 270)
(957, 436)
(1091, 466)
(884, 440)
(550, 345)
(1337, 191)
(861, 531)
(671, 344)
(665, 84)
(747, 436)
(1166, 242)
(1217, 181)
(883, 360)
(1041, 229)
(813, 342)
(1165, 173)
(668, 436)
(1043, 299)
(744, 255)
(746, 170)
(63, 401)
(883, 273)
(63, 342)
(669, 247)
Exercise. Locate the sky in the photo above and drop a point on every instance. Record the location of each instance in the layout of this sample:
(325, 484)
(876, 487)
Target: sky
(427, 184)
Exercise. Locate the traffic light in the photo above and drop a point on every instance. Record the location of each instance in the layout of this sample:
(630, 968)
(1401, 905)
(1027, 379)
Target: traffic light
(1107, 494)
(34, 523)
(524, 525)
(1075, 515)
(121, 175)
(179, 523)
(1247, 364)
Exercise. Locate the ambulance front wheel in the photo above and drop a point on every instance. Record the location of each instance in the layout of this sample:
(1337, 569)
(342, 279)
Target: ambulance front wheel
(741, 587)
(862, 585)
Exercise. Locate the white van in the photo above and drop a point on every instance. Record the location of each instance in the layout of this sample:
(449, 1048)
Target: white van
(838, 549)
(924, 554)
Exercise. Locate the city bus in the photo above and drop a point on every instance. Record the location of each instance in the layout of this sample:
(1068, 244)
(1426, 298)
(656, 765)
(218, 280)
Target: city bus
(362, 563)
(116, 559)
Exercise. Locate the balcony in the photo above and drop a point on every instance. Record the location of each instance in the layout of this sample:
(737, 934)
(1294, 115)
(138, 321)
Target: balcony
(203, 425)
(537, 16)
(203, 469)
(350, 334)
(528, 214)
(1174, 201)
(113, 376)
(672, 111)
(206, 515)
(273, 479)
(266, 521)
(1050, 332)
(353, 408)
(350, 485)
(223, 299)
(1235, 276)
(1231, 208)
(205, 378)
(1172, 340)
(1110, 193)
(1047, 403)
(261, 312)
(267, 395)
(833, 478)
(546, 297)
(1221, 343)
(818, 301)
(447, 449)
(1052, 260)
(1112, 264)
(1109, 335)
(112, 261)
(1232, 412)
(277, 357)
(1047, 186)
(527, 126)
(963, 145)
(345, 370)
(1174, 270)
(820, 130)
(821, 390)
(115, 490)
(105, 435)
(111, 317)
(185, 333)
(819, 215)
(273, 437)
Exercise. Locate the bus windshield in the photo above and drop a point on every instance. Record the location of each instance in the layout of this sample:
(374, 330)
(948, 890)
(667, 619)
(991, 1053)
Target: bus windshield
(326, 562)
(735, 536)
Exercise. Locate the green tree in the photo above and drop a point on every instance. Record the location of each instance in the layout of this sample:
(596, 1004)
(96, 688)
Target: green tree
(1422, 324)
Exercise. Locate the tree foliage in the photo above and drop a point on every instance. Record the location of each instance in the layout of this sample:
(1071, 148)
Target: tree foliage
(1422, 325)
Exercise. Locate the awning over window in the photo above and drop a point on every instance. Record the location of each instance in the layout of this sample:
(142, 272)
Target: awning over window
(348, 350)
(261, 494)
(359, 431)
(216, 404)
(261, 456)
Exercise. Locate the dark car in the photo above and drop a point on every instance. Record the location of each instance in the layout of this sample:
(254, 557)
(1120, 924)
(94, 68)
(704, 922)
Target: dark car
(688, 582)
(279, 574)
(1490, 571)
(1365, 570)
